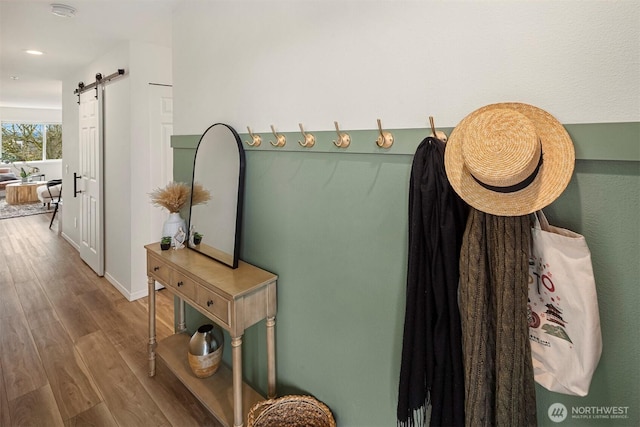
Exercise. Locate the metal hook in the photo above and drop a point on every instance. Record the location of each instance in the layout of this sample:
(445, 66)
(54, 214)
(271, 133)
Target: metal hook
(437, 134)
(343, 140)
(309, 140)
(385, 140)
(257, 140)
(280, 139)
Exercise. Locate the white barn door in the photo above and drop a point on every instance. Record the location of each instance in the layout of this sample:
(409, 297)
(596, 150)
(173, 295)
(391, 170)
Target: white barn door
(91, 174)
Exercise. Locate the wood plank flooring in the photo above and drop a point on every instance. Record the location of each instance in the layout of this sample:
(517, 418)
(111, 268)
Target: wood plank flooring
(72, 348)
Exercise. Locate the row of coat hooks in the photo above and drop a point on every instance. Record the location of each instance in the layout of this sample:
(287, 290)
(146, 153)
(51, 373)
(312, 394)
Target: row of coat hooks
(343, 140)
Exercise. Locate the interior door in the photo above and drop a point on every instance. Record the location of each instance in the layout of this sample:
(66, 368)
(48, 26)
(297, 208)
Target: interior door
(160, 156)
(91, 173)
(160, 152)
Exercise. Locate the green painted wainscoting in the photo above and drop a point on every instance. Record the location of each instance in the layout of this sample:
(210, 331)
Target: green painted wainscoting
(333, 226)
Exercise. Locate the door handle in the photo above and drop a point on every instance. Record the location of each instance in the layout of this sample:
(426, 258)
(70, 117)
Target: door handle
(75, 184)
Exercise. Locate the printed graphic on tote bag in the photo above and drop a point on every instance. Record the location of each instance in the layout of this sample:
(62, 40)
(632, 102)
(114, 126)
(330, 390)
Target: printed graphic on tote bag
(545, 305)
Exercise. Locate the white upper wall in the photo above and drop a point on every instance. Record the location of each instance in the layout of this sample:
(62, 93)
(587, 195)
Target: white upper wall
(281, 63)
(127, 159)
(31, 115)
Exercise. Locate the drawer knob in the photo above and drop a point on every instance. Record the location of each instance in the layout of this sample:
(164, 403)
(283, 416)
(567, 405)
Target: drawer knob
(209, 303)
(156, 268)
(180, 283)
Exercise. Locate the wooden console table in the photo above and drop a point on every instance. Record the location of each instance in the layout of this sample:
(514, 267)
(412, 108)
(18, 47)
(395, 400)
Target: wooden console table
(234, 299)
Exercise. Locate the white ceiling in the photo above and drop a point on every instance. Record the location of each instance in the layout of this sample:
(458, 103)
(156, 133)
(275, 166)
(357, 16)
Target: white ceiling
(68, 43)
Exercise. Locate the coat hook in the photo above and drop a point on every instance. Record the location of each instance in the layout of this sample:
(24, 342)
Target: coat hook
(280, 138)
(257, 140)
(437, 134)
(343, 140)
(309, 140)
(385, 140)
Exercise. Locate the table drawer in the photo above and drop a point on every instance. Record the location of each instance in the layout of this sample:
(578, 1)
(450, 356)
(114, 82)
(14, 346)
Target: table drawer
(214, 304)
(157, 269)
(183, 284)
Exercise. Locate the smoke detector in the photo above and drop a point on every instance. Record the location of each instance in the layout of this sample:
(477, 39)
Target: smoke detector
(62, 10)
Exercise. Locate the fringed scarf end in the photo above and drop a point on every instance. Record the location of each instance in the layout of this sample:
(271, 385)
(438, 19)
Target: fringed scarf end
(416, 418)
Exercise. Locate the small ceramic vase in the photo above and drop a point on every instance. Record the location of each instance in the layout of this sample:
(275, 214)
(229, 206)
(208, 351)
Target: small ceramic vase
(172, 224)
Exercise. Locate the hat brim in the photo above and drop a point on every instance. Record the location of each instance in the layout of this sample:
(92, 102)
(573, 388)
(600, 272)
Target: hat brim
(552, 178)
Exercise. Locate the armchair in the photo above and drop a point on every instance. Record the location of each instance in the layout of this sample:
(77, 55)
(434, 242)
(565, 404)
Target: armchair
(51, 193)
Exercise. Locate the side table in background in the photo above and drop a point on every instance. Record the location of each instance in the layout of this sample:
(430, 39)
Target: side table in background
(22, 192)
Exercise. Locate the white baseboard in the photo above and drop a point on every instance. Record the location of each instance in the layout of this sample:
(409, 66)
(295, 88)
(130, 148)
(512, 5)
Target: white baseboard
(124, 291)
(71, 242)
(144, 293)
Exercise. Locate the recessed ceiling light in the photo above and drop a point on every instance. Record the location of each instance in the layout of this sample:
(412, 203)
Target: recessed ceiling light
(33, 52)
(62, 10)
(14, 77)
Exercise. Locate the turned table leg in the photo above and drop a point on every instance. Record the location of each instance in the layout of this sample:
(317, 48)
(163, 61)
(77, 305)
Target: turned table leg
(182, 326)
(271, 357)
(236, 356)
(152, 326)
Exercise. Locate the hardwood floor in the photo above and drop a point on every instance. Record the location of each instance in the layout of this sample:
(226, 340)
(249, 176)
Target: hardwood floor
(72, 348)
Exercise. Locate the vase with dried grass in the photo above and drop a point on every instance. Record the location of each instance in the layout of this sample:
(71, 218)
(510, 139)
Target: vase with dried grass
(174, 197)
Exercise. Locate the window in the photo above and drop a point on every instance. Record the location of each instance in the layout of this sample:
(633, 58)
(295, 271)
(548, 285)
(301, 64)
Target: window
(29, 142)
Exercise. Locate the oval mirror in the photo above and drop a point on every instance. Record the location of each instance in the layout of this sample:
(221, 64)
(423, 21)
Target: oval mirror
(214, 226)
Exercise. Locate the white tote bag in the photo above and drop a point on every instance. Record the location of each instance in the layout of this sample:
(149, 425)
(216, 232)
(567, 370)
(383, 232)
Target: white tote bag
(564, 322)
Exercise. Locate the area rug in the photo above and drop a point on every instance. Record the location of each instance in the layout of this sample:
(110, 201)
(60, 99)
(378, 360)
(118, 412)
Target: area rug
(13, 211)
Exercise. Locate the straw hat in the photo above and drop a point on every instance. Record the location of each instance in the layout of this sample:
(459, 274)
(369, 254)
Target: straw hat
(509, 159)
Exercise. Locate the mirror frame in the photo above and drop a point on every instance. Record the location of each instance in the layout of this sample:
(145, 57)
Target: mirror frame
(239, 198)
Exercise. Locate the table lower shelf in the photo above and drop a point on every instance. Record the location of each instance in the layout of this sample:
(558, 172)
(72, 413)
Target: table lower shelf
(214, 392)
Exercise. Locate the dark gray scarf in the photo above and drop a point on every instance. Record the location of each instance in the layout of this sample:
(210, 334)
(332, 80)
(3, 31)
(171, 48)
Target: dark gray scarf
(494, 273)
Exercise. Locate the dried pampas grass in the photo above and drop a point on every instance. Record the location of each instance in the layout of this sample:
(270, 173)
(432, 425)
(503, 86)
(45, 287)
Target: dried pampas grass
(176, 194)
(172, 197)
(200, 195)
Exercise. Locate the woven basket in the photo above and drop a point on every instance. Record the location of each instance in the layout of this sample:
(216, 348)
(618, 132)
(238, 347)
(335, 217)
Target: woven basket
(291, 411)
